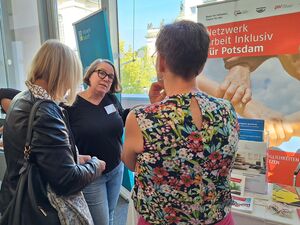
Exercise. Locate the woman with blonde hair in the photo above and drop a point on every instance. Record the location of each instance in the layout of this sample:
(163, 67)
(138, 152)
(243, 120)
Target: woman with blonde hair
(55, 72)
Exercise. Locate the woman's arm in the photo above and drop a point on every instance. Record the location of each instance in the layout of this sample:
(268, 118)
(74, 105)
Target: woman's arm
(51, 149)
(133, 143)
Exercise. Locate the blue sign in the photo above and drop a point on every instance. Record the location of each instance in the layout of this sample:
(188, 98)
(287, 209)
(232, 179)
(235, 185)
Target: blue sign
(251, 129)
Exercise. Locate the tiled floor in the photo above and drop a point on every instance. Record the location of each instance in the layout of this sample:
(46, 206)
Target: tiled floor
(121, 212)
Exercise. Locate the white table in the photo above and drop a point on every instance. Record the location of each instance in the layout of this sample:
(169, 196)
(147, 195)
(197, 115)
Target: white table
(259, 216)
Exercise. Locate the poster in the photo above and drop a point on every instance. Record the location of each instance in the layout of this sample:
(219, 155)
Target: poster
(264, 37)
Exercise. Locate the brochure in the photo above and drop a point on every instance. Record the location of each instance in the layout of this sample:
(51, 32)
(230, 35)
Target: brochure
(237, 184)
(242, 203)
(251, 163)
(286, 194)
(281, 167)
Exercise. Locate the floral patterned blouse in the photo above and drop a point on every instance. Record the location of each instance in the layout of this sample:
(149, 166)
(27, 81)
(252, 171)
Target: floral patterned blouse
(182, 176)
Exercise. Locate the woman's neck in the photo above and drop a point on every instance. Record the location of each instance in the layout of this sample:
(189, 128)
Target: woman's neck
(92, 97)
(175, 85)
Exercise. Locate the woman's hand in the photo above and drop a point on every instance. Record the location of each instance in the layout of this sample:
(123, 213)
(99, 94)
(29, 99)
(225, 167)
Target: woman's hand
(237, 85)
(102, 165)
(156, 92)
(82, 159)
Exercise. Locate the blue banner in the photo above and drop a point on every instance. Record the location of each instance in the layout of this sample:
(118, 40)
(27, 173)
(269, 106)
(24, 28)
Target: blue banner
(93, 39)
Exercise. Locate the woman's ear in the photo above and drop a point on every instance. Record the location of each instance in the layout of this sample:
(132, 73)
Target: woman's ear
(161, 63)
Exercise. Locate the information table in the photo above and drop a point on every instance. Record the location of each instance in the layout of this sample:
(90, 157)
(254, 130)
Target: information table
(262, 216)
(259, 216)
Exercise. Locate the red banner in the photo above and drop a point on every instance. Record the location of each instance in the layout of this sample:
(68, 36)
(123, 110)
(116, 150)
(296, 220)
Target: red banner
(274, 35)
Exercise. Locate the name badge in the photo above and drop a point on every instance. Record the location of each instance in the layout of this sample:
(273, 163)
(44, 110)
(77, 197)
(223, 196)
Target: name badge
(110, 109)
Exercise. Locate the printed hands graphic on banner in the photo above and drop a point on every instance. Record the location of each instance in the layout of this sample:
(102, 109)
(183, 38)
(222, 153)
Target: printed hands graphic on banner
(236, 87)
(278, 128)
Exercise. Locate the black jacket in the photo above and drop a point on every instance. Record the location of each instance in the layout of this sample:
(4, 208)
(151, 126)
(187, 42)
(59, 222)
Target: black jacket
(52, 149)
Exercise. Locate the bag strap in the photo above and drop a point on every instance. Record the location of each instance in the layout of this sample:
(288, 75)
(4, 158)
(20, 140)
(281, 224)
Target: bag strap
(34, 108)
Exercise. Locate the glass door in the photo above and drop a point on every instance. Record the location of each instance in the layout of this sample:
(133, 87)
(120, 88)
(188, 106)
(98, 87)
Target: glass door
(3, 76)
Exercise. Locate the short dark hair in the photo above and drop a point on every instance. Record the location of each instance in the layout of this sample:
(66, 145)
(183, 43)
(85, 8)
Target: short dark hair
(115, 86)
(184, 44)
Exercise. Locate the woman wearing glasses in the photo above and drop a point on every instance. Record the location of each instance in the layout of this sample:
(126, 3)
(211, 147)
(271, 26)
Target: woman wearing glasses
(97, 125)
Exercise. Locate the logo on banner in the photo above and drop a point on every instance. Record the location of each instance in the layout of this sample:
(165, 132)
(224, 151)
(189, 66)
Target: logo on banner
(84, 34)
(240, 12)
(80, 35)
(261, 9)
(282, 6)
(216, 16)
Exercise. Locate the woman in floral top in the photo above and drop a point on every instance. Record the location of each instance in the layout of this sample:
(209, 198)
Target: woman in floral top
(181, 148)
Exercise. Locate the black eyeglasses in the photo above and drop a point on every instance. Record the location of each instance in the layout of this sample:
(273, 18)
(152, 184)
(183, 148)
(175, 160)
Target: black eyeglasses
(102, 74)
(153, 58)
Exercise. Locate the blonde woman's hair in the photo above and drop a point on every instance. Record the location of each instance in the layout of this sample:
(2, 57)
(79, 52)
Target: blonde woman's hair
(59, 66)
(115, 86)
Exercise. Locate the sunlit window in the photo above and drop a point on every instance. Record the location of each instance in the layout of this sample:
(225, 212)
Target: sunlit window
(139, 23)
(20, 39)
(71, 11)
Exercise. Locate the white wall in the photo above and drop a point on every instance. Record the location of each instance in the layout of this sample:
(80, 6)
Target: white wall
(24, 24)
(71, 12)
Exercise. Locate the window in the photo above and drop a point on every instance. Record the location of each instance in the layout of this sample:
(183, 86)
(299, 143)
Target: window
(193, 10)
(139, 23)
(70, 11)
(20, 40)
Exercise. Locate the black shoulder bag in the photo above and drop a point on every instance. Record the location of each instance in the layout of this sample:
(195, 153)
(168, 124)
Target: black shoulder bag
(30, 205)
